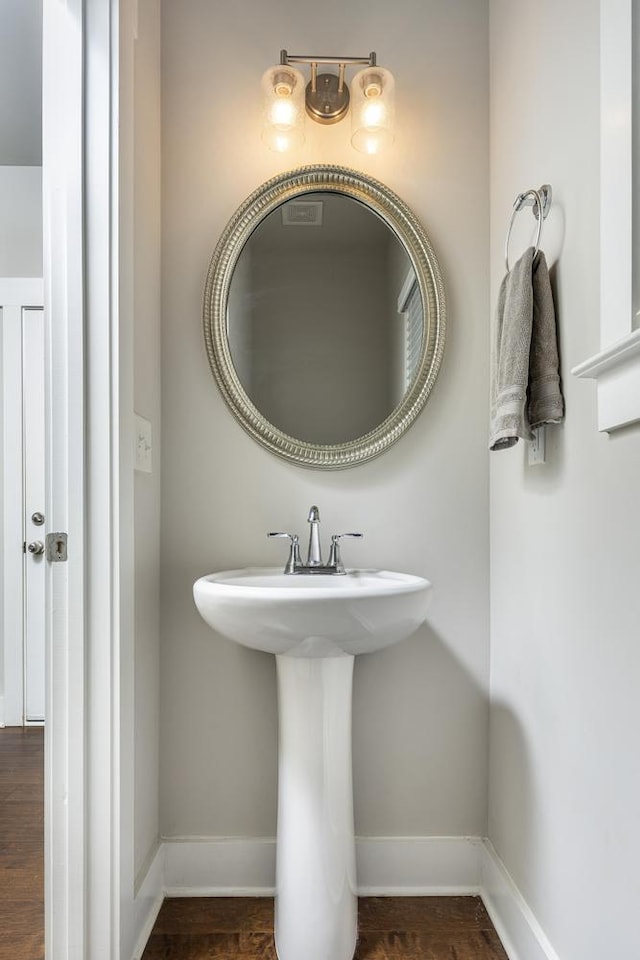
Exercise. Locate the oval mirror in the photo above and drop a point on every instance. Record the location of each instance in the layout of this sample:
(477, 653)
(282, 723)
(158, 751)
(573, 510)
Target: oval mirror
(324, 316)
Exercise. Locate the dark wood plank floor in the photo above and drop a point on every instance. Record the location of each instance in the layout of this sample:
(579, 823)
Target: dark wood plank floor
(22, 843)
(390, 928)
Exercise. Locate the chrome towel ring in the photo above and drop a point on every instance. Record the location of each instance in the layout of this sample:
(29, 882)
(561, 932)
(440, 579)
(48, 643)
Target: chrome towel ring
(538, 199)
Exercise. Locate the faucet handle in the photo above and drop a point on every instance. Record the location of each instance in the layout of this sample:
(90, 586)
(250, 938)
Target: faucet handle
(335, 560)
(294, 560)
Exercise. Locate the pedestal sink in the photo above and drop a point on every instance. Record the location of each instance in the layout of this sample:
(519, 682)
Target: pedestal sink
(315, 625)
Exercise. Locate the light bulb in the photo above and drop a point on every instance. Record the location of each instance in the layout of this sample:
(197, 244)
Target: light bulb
(372, 109)
(283, 112)
(374, 113)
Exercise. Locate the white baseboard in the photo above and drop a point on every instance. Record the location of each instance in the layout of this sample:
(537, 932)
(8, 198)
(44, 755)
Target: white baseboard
(386, 866)
(147, 903)
(418, 866)
(220, 866)
(522, 936)
(1, 711)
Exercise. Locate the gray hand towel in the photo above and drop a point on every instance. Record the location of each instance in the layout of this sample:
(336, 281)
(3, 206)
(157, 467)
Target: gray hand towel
(510, 357)
(525, 384)
(544, 399)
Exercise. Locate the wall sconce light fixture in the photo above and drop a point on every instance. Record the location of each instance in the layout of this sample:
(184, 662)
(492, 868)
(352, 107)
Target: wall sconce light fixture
(326, 100)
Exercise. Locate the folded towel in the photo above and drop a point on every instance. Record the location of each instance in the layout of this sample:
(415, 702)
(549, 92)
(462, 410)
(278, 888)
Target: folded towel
(510, 357)
(525, 383)
(544, 399)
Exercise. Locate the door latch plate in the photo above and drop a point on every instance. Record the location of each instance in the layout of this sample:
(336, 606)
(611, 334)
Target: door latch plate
(56, 547)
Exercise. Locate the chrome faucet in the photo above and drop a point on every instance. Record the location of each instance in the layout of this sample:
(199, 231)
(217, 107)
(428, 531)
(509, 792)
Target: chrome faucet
(314, 564)
(314, 553)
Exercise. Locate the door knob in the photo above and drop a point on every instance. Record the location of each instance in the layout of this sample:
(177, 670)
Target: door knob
(37, 518)
(36, 547)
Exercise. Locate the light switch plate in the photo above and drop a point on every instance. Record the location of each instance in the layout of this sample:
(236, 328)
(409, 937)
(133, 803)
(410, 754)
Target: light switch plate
(538, 446)
(142, 444)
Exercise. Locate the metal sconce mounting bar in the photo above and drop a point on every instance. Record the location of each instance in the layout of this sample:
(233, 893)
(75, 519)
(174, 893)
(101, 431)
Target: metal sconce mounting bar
(327, 96)
(350, 61)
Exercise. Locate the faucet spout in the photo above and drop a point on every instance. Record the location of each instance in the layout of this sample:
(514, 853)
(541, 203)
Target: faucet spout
(314, 564)
(314, 556)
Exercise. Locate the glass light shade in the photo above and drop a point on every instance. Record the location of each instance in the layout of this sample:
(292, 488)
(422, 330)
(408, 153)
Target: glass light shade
(372, 109)
(283, 109)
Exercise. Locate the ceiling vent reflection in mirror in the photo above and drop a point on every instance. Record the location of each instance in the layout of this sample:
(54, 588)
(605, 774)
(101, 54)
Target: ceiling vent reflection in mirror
(326, 100)
(299, 213)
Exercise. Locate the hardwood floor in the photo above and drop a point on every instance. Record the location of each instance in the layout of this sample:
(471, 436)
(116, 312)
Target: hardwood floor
(22, 843)
(390, 928)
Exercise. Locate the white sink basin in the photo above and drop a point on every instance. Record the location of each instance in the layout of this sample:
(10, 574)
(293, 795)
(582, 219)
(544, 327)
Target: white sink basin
(314, 624)
(313, 615)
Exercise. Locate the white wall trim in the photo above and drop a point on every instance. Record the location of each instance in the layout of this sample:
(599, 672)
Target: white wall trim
(522, 936)
(418, 866)
(148, 900)
(617, 372)
(616, 368)
(621, 352)
(82, 760)
(387, 866)
(105, 567)
(220, 866)
(65, 213)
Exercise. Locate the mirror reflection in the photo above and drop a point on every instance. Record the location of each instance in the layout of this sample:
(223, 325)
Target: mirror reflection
(325, 320)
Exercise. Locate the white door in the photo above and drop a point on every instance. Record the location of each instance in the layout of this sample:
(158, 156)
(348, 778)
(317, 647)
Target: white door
(23, 495)
(33, 512)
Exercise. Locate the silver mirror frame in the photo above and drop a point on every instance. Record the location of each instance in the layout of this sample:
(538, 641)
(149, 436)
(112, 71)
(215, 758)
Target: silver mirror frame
(391, 209)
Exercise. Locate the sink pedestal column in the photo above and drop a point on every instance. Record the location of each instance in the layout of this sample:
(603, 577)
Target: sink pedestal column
(316, 915)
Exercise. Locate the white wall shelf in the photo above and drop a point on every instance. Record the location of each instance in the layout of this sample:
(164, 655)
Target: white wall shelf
(617, 372)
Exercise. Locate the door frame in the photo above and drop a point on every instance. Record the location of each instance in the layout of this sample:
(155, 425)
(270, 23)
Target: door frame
(16, 294)
(80, 76)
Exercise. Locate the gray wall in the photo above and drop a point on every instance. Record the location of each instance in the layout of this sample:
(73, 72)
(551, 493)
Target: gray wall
(420, 710)
(565, 660)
